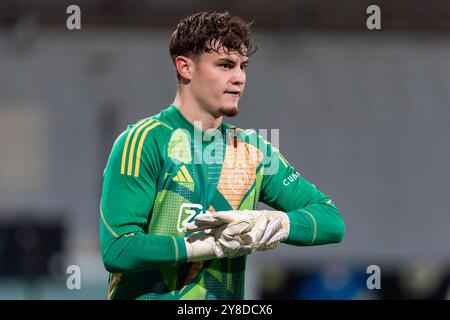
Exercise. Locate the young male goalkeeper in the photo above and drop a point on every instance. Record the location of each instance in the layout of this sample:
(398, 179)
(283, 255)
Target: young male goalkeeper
(180, 190)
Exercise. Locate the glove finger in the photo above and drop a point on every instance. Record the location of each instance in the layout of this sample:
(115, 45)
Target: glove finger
(190, 227)
(229, 245)
(235, 229)
(278, 237)
(255, 235)
(208, 221)
(225, 217)
(219, 251)
(201, 222)
(273, 242)
(271, 229)
(243, 250)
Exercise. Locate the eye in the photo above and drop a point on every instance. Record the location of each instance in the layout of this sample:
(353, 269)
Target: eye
(244, 66)
(226, 65)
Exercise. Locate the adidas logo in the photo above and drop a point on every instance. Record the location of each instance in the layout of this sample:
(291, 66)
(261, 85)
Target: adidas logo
(183, 176)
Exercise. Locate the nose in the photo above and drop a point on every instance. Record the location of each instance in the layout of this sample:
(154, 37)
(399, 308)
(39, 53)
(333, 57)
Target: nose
(238, 77)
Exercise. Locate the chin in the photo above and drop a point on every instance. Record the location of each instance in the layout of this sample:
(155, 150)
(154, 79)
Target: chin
(229, 111)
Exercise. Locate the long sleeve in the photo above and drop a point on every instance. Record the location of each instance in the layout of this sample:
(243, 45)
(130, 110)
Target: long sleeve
(139, 251)
(314, 219)
(129, 189)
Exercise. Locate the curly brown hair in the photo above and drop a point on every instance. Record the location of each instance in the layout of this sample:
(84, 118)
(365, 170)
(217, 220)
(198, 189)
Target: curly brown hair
(211, 31)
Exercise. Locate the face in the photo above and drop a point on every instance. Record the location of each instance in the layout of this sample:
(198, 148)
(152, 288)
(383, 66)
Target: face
(218, 81)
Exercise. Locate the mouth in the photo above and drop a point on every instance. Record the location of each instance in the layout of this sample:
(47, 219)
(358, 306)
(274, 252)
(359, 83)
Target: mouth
(234, 93)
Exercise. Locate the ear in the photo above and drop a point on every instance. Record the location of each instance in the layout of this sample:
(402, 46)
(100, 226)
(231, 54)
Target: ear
(185, 67)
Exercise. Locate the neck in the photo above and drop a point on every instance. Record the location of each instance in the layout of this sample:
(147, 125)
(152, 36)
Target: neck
(193, 112)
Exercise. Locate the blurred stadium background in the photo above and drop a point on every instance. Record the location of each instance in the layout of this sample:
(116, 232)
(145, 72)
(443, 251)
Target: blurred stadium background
(363, 114)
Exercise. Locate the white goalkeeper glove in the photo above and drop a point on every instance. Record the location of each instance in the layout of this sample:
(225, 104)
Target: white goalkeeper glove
(207, 246)
(261, 229)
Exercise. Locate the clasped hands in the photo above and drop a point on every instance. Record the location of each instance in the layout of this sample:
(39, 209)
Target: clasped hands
(229, 234)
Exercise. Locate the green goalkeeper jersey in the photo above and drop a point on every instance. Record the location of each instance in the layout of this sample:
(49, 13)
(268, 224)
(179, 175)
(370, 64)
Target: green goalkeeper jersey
(162, 172)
